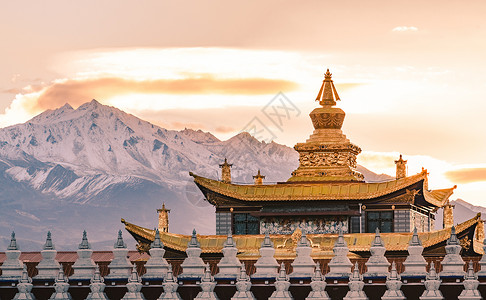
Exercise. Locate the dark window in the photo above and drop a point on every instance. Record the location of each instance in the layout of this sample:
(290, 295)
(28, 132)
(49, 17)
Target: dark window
(379, 219)
(245, 224)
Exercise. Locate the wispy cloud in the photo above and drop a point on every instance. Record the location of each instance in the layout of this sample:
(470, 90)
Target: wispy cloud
(77, 92)
(405, 29)
(467, 175)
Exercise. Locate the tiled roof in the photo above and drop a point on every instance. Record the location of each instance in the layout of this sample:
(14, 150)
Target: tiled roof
(72, 256)
(320, 191)
(322, 244)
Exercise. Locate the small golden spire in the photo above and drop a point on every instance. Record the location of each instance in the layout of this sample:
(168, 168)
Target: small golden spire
(259, 178)
(327, 94)
(401, 167)
(163, 219)
(226, 171)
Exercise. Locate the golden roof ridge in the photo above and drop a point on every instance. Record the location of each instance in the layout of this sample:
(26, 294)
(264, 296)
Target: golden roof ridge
(231, 190)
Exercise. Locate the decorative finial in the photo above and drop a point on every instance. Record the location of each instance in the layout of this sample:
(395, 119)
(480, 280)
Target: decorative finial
(134, 275)
(415, 241)
(169, 277)
(84, 242)
(97, 276)
(317, 273)
(453, 240)
(48, 245)
(355, 276)
(119, 241)
(194, 243)
(25, 276)
(340, 242)
(13, 243)
(393, 272)
(470, 275)
(157, 243)
(267, 242)
(328, 74)
(432, 275)
(207, 274)
(243, 276)
(377, 242)
(282, 275)
(327, 94)
(304, 241)
(61, 277)
(229, 243)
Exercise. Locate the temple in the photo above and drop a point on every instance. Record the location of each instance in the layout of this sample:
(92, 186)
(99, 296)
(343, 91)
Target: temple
(325, 195)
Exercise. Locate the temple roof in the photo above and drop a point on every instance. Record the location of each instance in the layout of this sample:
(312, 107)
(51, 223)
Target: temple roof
(322, 244)
(321, 191)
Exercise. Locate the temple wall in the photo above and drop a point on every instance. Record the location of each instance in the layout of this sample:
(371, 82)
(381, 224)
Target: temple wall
(223, 222)
(402, 221)
(311, 225)
(420, 221)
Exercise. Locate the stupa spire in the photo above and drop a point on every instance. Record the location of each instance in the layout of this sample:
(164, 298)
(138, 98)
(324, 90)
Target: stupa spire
(13, 243)
(327, 94)
(84, 242)
(157, 243)
(327, 155)
(48, 245)
(119, 241)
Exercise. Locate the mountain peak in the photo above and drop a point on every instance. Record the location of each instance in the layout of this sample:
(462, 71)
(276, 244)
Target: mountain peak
(93, 104)
(66, 106)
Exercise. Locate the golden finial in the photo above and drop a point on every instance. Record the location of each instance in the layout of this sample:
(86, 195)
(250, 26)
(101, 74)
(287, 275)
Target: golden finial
(327, 94)
(327, 75)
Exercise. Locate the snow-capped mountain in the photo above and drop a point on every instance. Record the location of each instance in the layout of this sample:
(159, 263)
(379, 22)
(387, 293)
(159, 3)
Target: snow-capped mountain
(78, 165)
(68, 169)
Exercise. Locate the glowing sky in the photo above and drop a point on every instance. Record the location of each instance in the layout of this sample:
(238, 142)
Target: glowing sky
(411, 74)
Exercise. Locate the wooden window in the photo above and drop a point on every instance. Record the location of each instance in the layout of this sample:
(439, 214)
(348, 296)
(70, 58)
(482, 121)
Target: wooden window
(244, 223)
(379, 219)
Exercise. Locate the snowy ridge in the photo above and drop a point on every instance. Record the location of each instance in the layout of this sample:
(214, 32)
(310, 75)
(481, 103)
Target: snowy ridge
(106, 163)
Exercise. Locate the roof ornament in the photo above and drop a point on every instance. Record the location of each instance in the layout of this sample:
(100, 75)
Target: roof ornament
(327, 94)
(258, 178)
(84, 242)
(48, 245)
(13, 243)
(157, 243)
(119, 242)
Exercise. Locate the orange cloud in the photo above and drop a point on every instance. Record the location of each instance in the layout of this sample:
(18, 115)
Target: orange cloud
(77, 92)
(224, 129)
(467, 175)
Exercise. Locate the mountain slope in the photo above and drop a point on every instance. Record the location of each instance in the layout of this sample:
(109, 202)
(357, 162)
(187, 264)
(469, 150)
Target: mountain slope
(90, 166)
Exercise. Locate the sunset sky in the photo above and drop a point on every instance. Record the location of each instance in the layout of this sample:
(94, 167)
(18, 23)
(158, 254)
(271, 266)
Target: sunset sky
(411, 74)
